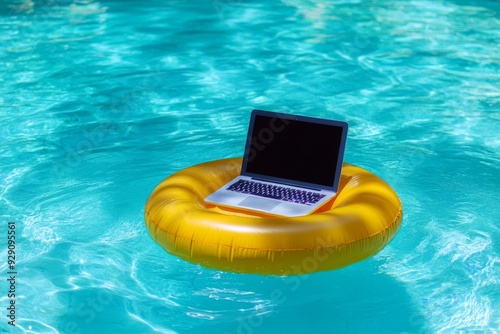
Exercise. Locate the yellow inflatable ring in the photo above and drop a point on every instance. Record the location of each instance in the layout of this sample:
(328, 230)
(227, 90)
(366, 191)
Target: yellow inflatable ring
(361, 220)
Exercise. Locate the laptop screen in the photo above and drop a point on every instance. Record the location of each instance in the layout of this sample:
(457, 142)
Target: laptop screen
(303, 150)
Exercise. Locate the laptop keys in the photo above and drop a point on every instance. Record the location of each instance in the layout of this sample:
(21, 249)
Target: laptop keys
(276, 192)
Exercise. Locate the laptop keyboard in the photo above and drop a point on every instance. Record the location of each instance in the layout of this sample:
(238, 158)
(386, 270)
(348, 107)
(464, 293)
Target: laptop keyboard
(276, 192)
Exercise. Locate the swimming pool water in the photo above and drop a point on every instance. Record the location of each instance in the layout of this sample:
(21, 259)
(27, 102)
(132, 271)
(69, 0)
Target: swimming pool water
(101, 100)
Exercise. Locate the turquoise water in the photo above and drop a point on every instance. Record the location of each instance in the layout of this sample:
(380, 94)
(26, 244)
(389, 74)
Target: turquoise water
(100, 101)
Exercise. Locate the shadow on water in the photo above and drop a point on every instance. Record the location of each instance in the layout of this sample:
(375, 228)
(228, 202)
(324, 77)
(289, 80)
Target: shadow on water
(176, 296)
(343, 301)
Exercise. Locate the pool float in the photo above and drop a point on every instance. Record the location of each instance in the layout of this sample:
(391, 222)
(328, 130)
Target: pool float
(362, 219)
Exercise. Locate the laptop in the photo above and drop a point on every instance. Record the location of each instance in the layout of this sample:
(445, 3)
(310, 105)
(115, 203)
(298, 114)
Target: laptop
(291, 165)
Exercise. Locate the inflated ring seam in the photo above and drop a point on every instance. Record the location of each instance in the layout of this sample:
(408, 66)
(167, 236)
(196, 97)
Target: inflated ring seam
(175, 235)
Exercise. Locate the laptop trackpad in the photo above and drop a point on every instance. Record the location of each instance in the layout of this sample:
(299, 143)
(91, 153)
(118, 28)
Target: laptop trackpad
(259, 203)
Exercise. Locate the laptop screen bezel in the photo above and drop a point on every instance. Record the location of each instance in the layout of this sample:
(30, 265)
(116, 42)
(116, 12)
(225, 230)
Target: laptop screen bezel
(248, 146)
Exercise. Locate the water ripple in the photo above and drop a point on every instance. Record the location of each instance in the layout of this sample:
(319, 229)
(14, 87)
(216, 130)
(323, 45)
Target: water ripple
(100, 101)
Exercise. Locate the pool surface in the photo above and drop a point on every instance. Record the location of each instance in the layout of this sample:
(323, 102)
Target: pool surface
(101, 100)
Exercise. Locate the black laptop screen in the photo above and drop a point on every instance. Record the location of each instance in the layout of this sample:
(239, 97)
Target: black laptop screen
(295, 149)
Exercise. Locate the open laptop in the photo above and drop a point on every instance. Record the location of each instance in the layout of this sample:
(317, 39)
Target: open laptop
(291, 165)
